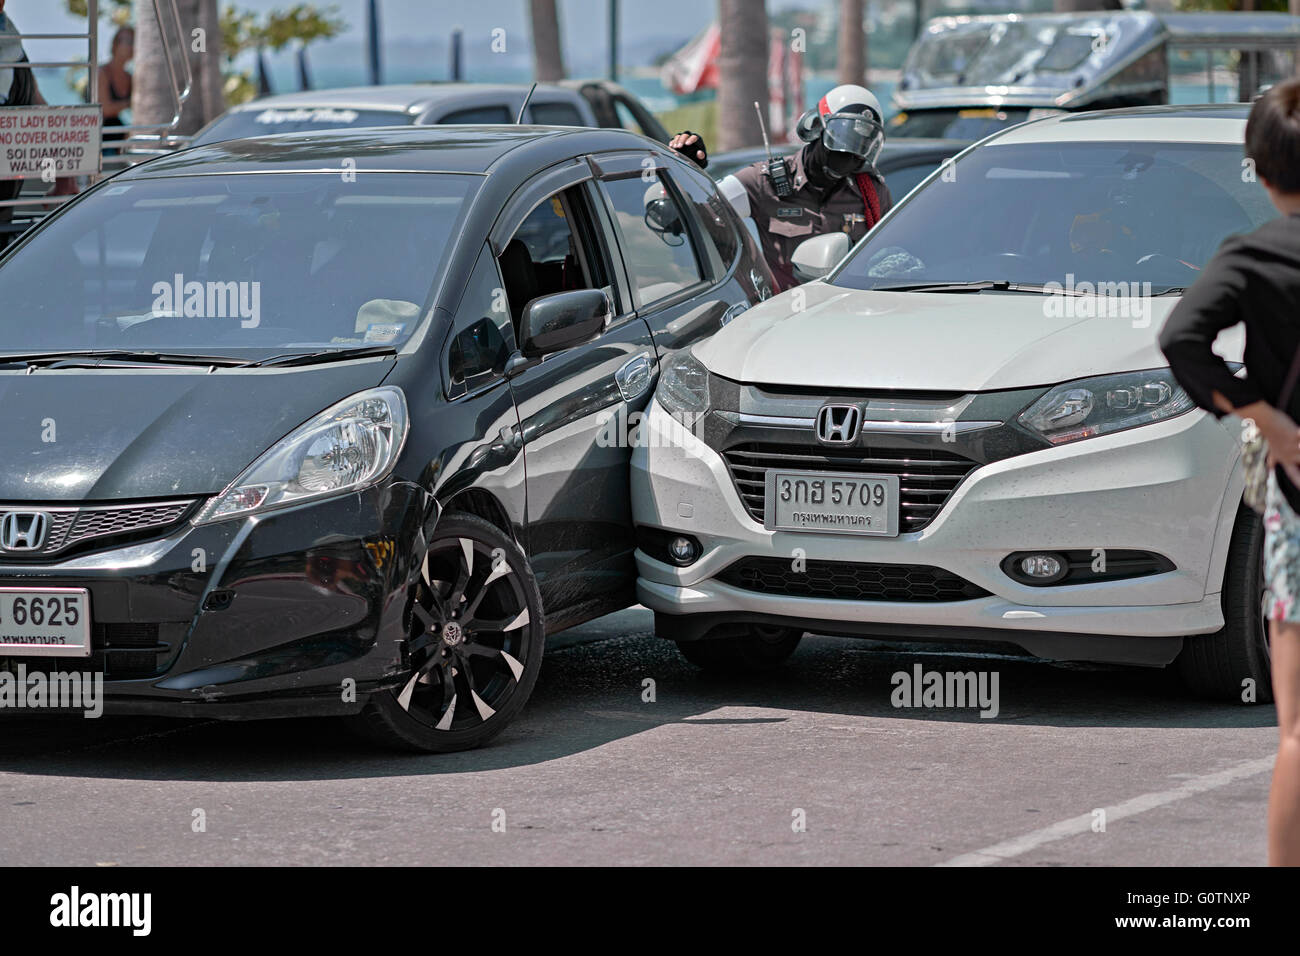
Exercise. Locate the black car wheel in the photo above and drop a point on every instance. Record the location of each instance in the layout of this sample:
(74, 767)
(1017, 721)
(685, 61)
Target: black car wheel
(477, 638)
(1218, 664)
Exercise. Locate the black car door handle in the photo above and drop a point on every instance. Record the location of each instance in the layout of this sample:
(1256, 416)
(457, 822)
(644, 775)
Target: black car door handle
(635, 376)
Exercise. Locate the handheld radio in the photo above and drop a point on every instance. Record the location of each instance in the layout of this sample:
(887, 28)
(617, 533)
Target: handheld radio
(778, 170)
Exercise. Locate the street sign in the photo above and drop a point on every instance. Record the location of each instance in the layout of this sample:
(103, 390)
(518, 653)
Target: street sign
(47, 142)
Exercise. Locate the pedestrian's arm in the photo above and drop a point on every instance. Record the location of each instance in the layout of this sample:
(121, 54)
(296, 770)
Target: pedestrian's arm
(1211, 305)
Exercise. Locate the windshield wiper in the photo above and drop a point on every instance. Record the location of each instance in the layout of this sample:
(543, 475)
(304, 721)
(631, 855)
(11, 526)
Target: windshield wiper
(979, 285)
(77, 357)
(324, 355)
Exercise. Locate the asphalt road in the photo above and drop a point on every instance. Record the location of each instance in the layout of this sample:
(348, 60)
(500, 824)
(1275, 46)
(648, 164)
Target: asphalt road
(715, 770)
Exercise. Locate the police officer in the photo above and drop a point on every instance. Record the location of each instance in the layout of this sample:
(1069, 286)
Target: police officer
(831, 185)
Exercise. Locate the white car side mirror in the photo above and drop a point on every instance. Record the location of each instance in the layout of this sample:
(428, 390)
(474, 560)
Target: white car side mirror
(816, 256)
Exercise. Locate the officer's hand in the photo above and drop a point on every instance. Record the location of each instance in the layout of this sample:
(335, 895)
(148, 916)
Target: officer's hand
(691, 145)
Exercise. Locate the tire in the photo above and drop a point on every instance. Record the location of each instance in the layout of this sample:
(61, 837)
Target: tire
(477, 637)
(1215, 665)
(761, 648)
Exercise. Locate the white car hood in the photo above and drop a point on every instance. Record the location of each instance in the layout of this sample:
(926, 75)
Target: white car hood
(839, 338)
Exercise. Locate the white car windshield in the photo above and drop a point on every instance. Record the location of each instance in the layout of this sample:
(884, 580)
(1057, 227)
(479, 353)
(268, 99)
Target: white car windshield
(1068, 214)
(224, 263)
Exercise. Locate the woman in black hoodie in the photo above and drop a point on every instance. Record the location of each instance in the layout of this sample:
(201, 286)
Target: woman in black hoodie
(1255, 279)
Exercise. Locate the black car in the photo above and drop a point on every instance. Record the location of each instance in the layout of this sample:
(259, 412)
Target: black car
(335, 423)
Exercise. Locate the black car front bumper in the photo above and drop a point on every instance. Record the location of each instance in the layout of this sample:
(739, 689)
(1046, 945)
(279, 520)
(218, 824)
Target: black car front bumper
(297, 612)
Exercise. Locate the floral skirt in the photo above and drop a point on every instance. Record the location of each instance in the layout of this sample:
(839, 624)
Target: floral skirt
(1281, 556)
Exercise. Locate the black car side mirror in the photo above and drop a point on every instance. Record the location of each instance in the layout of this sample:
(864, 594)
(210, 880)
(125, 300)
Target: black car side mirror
(553, 323)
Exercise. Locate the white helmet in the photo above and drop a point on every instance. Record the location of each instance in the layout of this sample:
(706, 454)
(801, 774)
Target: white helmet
(848, 119)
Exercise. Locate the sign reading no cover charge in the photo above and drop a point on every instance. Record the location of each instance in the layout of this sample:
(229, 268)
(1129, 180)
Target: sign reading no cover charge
(36, 140)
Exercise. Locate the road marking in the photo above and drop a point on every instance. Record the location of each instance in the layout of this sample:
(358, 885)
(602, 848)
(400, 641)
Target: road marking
(1074, 826)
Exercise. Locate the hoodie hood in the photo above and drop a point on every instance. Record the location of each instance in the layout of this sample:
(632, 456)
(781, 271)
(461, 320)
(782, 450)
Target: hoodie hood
(109, 434)
(824, 336)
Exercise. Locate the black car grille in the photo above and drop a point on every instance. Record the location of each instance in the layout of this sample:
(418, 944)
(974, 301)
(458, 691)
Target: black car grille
(927, 476)
(82, 525)
(121, 651)
(850, 580)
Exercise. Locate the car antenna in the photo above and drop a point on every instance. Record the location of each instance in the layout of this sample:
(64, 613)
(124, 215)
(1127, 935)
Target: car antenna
(519, 120)
(777, 171)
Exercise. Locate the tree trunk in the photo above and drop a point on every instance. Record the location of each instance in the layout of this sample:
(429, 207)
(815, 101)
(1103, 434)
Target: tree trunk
(852, 45)
(548, 57)
(153, 98)
(1294, 7)
(1248, 64)
(742, 72)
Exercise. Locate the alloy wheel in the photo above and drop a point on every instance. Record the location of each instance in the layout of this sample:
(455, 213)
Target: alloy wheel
(470, 635)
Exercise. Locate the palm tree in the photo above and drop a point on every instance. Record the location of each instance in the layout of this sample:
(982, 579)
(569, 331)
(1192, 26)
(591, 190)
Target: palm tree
(742, 72)
(853, 44)
(548, 58)
(153, 100)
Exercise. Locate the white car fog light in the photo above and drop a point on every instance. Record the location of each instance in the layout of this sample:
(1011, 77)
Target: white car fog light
(1043, 567)
(683, 550)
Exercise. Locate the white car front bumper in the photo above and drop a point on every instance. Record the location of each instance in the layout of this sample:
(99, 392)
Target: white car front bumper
(1170, 488)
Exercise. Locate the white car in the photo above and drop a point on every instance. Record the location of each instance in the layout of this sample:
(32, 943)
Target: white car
(966, 430)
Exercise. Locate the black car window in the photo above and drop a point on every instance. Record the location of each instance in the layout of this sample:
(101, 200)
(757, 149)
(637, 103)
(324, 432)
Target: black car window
(555, 249)
(478, 114)
(277, 261)
(482, 334)
(556, 114)
(710, 210)
(655, 237)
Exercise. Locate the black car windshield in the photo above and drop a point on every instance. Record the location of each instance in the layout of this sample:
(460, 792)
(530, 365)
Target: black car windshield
(1069, 214)
(238, 124)
(224, 263)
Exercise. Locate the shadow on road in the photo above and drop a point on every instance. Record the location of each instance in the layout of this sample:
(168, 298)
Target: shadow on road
(590, 695)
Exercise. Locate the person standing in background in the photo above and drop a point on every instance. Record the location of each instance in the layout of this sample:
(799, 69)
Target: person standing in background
(115, 84)
(1255, 279)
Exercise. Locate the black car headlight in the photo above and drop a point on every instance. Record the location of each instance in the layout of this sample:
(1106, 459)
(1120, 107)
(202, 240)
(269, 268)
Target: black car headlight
(1089, 407)
(684, 388)
(349, 446)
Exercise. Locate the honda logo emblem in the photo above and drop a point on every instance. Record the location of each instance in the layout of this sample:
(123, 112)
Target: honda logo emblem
(23, 530)
(838, 424)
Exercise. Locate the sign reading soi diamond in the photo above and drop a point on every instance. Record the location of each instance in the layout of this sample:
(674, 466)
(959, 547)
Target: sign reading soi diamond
(36, 139)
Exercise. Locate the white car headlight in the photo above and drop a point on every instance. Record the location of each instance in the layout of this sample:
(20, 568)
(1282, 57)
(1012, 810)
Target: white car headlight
(684, 388)
(350, 445)
(1090, 407)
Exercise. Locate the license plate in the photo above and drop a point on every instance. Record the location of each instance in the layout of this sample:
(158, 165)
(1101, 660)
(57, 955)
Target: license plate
(833, 502)
(45, 622)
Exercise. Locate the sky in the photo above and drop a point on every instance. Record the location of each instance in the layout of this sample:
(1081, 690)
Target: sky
(584, 22)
